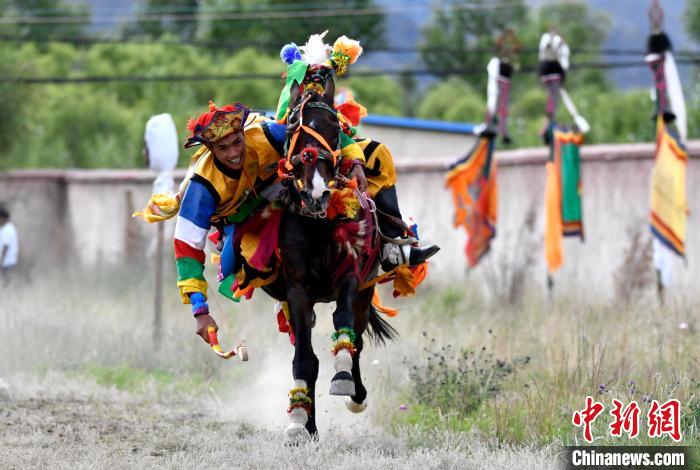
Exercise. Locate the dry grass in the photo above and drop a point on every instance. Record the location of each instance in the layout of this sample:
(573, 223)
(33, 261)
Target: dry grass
(87, 388)
(635, 274)
(575, 344)
(508, 273)
(73, 425)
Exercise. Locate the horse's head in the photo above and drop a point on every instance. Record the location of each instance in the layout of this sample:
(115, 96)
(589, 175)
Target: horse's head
(313, 146)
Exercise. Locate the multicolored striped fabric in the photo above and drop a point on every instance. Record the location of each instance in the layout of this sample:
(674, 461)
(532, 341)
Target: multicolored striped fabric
(191, 229)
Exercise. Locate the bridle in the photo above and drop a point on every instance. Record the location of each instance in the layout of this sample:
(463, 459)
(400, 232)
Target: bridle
(309, 154)
(295, 123)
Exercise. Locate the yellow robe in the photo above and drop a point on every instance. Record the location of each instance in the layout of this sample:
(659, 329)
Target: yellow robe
(380, 170)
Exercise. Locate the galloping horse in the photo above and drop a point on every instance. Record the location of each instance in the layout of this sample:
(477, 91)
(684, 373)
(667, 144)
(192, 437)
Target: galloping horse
(323, 260)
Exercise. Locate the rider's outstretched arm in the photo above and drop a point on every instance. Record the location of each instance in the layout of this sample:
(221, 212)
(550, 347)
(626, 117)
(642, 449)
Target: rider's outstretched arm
(191, 229)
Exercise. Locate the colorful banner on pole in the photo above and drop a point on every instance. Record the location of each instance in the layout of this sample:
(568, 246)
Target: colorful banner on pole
(563, 190)
(669, 204)
(475, 195)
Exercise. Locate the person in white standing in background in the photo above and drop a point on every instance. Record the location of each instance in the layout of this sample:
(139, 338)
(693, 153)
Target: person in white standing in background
(9, 244)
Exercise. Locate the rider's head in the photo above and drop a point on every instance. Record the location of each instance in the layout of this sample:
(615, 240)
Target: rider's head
(221, 130)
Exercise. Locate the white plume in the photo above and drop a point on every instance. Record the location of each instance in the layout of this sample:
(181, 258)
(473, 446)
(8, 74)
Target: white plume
(316, 51)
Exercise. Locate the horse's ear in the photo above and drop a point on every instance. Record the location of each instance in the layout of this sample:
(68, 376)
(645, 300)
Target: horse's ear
(329, 90)
(294, 92)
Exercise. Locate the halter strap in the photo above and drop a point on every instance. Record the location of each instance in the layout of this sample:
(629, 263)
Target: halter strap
(319, 138)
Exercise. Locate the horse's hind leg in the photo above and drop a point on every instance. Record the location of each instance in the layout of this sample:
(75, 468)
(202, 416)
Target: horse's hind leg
(358, 402)
(345, 337)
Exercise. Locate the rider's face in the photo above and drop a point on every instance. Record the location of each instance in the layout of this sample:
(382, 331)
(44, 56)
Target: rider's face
(231, 150)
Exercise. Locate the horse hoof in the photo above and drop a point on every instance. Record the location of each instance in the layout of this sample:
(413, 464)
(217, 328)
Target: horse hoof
(296, 434)
(243, 353)
(351, 405)
(342, 384)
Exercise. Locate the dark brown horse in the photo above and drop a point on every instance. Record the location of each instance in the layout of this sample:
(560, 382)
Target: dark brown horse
(323, 260)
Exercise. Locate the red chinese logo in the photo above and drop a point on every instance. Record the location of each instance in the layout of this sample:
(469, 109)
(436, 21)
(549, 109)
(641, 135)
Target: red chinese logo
(665, 419)
(626, 419)
(587, 416)
(661, 419)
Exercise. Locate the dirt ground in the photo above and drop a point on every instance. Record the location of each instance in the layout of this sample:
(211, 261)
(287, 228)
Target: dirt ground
(58, 422)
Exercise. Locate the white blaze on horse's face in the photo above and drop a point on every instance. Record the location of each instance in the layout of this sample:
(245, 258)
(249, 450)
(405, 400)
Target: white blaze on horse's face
(318, 185)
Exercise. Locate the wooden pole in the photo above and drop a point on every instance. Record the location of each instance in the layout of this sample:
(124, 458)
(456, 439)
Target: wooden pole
(158, 300)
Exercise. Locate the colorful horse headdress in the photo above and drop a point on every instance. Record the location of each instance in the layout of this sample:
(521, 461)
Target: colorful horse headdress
(216, 124)
(310, 64)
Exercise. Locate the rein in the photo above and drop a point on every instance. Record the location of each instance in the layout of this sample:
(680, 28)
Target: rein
(326, 152)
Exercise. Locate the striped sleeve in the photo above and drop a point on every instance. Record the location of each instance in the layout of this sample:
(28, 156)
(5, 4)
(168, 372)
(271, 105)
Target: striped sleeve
(191, 229)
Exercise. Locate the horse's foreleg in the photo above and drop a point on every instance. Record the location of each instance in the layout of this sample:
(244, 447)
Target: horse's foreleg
(344, 337)
(304, 368)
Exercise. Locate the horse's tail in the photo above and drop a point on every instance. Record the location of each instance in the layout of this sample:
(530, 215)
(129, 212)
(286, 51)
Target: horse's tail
(379, 329)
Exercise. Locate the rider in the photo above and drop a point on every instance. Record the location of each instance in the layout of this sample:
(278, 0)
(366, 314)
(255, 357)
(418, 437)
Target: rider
(224, 187)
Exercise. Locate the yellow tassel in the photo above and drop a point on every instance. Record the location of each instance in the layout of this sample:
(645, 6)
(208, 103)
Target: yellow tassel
(352, 205)
(403, 282)
(159, 208)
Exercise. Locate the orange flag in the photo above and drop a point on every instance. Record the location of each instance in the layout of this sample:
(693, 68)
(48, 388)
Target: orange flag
(475, 194)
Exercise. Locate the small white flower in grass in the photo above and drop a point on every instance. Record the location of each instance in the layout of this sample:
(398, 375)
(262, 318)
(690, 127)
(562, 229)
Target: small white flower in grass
(683, 325)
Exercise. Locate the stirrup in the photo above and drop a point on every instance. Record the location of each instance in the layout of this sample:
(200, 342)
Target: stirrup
(394, 254)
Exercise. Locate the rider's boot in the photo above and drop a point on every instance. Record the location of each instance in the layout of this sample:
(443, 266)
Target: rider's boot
(400, 251)
(394, 255)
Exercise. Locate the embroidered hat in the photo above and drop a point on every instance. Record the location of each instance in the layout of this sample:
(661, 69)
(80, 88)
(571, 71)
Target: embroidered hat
(216, 124)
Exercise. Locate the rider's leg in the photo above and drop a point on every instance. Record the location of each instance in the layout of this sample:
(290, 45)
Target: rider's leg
(387, 203)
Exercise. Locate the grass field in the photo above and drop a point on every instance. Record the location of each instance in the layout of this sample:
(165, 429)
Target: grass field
(470, 383)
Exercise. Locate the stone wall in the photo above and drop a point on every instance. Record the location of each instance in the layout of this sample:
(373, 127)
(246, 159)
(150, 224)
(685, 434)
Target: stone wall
(84, 216)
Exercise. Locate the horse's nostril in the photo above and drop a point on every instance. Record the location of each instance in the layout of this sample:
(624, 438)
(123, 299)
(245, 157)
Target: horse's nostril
(325, 196)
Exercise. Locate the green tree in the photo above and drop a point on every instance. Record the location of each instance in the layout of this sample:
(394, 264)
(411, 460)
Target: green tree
(371, 92)
(452, 100)
(14, 99)
(692, 19)
(50, 17)
(456, 30)
(269, 30)
(155, 19)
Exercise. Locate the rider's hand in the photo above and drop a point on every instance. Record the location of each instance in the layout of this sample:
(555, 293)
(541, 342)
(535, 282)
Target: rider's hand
(204, 321)
(358, 173)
